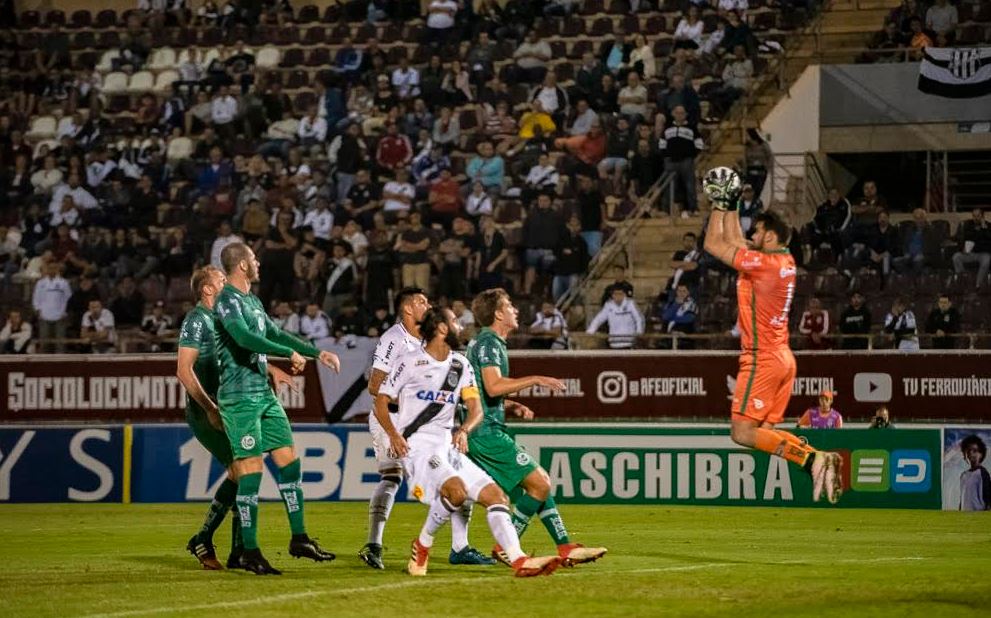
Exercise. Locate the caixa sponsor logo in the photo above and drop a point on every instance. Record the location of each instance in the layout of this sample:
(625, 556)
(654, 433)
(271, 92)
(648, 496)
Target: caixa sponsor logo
(438, 396)
(874, 470)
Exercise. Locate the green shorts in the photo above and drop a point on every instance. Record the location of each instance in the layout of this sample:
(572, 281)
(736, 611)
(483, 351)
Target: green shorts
(213, 439)
(497, 453)
(255, 425)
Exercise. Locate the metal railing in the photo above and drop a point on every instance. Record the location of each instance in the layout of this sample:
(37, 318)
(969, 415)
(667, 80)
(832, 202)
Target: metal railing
(616, 243)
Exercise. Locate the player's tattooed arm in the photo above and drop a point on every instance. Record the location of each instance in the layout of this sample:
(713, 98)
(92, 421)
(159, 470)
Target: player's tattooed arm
(375, 381)
(716, 243)
(518, 409)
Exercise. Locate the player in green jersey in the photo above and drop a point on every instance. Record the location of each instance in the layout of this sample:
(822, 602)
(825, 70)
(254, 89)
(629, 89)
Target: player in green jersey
(492, 447)
(198, 372)
(253, 418)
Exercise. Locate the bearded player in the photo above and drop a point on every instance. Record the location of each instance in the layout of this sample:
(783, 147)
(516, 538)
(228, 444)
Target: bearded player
(199, 374)
(401, 339)
(427, 384)
(765, 289)
(491, 446)
(253, 418)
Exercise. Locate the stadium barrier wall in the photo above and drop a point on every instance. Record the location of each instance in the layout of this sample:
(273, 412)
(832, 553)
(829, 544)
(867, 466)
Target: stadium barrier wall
(600, 385)
(588, 463)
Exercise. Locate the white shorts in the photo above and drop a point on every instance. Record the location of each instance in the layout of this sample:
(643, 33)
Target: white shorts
(380, 443)
(429, 466)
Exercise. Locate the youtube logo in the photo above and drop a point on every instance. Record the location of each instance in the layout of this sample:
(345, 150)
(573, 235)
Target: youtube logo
(872, 387)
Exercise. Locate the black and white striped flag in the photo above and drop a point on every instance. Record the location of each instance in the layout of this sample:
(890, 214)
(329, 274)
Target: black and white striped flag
(956, 73)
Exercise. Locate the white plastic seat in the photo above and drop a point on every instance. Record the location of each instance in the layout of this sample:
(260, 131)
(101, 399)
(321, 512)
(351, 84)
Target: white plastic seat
(115, 83)
(163, 81)
(106, 63)
(179, 148)
(163, 58)
(42, 128)
(142, 81)
(268, 57)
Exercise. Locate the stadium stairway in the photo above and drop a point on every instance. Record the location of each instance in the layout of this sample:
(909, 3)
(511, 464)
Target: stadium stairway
(835, 36)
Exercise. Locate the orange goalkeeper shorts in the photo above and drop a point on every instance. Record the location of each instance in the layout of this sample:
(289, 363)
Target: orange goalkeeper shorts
(763, 385)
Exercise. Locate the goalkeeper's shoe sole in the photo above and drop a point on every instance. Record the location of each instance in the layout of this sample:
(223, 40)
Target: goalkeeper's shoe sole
(371, 554)
(539, 565)
(253, 561)
(306, 547)
(204, 552)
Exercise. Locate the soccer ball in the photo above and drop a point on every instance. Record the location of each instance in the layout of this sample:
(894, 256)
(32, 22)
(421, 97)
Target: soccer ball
(722, 184)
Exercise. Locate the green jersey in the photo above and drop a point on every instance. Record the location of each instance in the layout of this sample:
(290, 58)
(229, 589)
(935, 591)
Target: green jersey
(246, 336)
(198, 332)
(488, 349)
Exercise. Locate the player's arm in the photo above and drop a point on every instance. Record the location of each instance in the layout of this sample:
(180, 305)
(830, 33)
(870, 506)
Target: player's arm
(732, 230)
(233, 322)
(279, 378)
(389, 393)
(472, 420)
(375, 381)
(186, 375)
(304, 348)
(517, 409)
(497, 385)
(716, 243)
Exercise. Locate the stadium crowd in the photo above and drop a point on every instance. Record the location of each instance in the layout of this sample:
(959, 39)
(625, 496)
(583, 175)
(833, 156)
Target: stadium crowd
(914, 25)
(452, 146)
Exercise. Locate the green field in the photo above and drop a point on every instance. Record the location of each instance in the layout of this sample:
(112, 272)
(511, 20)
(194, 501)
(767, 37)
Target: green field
(115, 560)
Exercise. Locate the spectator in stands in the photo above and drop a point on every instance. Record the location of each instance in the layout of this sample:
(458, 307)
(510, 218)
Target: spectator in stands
(974, 238)
(314, 325)
(604, 97)
(757, 160)
(543, 233)
(347, 153)
(920, 245)
(380, 262)
(223, 112)
(412, 248)
(531, 58)
(487, 167)
(398, 195)
(363, 199)
(490, 261)
(585, 151)
(615, 55)
(406, 80)
(903, 14)
(285, 318)
(685, 263)
(680, 144)
(446, 129)
(225, 236)
(571, 259)
(830, 223)
(642, 59)
(632, 99)
(900, 324)
(888, 38)
(15, 335)
(623, 320)
(394, 150)
(620, 282)
(736, 81)
(550, 327)
(919, 40)
(679, 315)
(814, 324)
(441, 16)
(737, 33)
(444, 199)
(855, 320)
(943, 322)
(589, 76)
(680, 93)
(49, 300)
(156, 326)
(552, 98)
(619, 145)
(342, 280)
(479, 203)
(454, 252)
(128, 304)
(480, 59)
(942, 18)
(98, 328)
(645, 170)
(748, 207)
(688, 33)
(881, 419)
(462, 314)
(823, 415)
(542, 178)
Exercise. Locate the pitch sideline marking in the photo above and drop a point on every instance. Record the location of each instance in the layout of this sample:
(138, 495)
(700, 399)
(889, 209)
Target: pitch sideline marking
(406, 584)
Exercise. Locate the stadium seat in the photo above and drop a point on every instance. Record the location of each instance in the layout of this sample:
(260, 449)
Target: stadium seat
(42, 128)
(573, 27)
(162, 58)
(655, 25)
(165, 79)
(29, 19)
(108, 39)
(115, 82)
(55, 17)
(51, 144)
(315, 35)
(83, 40)
(292, 58)
(107, 18)
(308, 14)
(81, 19)
(601, 27)
(142, 81)
(210, 56)
(318, 57)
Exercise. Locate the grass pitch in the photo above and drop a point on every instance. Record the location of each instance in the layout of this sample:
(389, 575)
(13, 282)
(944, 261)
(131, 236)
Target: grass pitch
(117, 560)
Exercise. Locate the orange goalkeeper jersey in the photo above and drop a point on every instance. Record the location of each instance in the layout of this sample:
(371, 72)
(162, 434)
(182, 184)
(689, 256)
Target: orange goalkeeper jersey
(765, 288)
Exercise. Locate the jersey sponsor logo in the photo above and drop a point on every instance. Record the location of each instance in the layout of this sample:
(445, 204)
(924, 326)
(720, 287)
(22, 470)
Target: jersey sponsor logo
(751, 262)
(422, 362)
(247, 442)
(437, 396)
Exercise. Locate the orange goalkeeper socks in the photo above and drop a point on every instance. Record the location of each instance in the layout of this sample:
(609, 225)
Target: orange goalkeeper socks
(783, 444)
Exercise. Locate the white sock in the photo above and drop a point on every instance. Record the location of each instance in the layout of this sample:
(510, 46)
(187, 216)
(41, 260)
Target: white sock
(440, 512)
(380, 506)
(501, 525)
(459, 526)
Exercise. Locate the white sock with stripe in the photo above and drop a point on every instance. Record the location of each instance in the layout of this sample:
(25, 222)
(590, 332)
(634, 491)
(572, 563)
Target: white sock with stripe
(501, 525)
